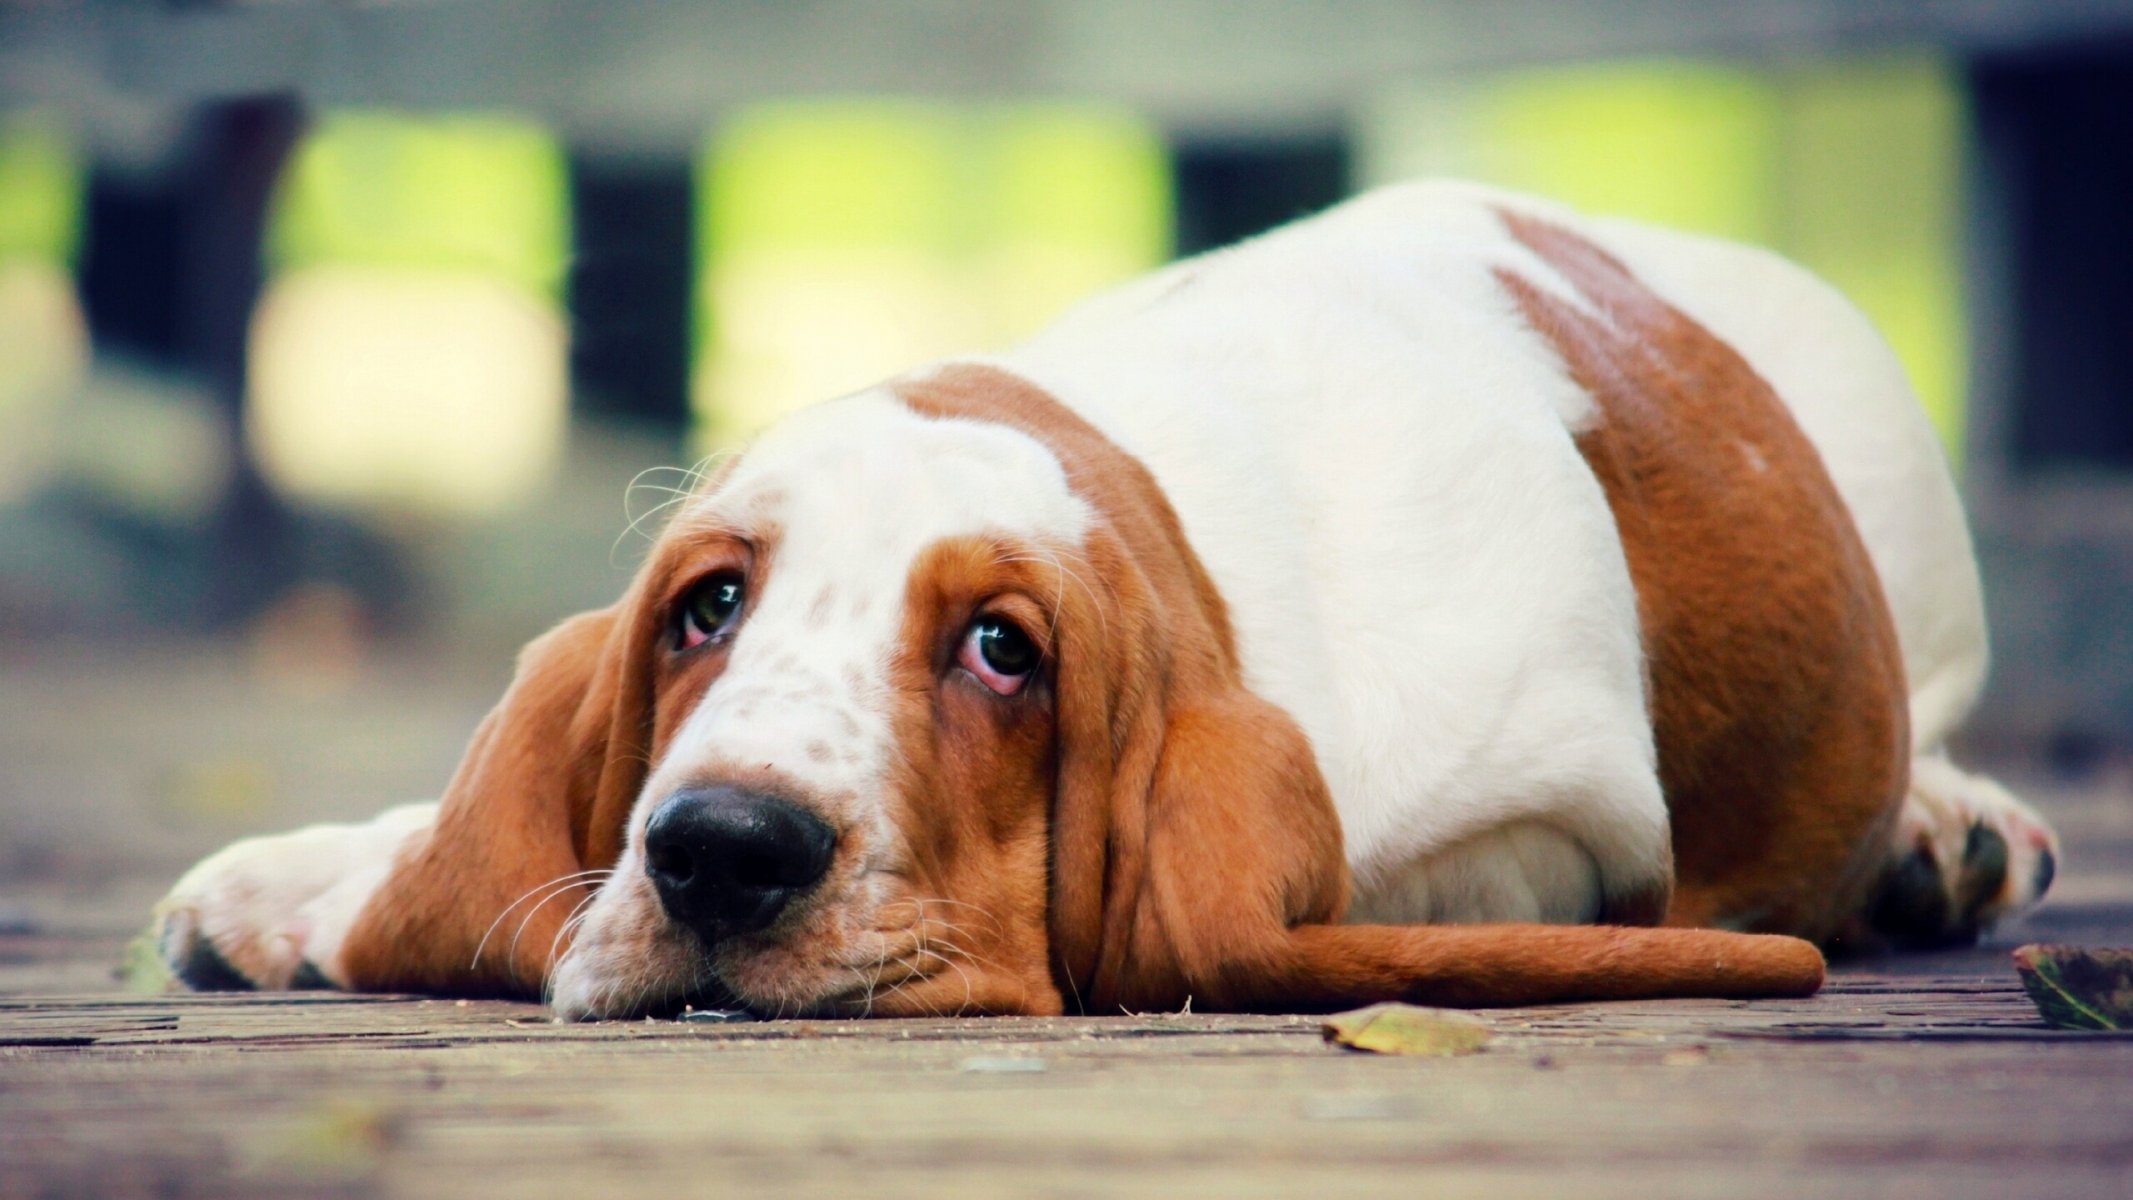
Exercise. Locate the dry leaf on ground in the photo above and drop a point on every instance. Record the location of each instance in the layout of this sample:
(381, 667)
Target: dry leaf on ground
(1408, 1029)
(2077, 987)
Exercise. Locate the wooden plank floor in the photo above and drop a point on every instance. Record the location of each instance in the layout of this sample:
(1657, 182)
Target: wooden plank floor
(1938, 1085)
(1916, 1076)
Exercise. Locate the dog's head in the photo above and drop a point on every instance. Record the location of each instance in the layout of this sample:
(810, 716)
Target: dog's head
(876, 726)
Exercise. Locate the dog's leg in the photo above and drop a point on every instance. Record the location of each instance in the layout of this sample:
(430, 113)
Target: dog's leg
(1965, 854)
(272, 912)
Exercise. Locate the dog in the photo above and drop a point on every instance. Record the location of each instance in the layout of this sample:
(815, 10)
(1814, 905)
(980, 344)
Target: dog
(1448, 598)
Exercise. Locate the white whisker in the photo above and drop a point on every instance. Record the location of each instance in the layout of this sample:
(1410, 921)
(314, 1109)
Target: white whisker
(1054, 560)
(542, 903)
(969, 996)
(560, 882)
(690, 479)
(570, 923)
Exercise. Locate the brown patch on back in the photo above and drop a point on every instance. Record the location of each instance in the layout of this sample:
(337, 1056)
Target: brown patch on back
(1776, 683)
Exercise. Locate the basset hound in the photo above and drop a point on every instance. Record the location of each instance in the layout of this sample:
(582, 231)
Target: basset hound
(1448, 598)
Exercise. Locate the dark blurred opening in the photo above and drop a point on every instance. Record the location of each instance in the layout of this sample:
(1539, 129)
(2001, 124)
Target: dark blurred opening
(629, 289)
(132, 254)
(1227, 191)
(170, 272)
(2057, 125)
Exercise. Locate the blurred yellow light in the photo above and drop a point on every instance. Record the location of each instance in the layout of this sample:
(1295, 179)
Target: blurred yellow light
(1081, 200)
(1687, 144)
(410, 352)
(44, 341)
(842, 241)
(40, 190)
(1873, 191)
(44, 351)
(1850, 166)
(478, 193)
(408, 390)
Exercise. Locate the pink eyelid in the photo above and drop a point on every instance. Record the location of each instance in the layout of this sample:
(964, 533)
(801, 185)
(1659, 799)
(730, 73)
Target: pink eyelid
(971, 659)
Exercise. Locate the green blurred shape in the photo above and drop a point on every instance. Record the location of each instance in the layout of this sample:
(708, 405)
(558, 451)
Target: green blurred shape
(1081, 175)
(1687, 144)
(944, 179)
(1873, 189)
(832, 173)
(1852, 166)
(1016, 209)
(141, 969)
(1080, 199)
(474, 193)
(40, 191)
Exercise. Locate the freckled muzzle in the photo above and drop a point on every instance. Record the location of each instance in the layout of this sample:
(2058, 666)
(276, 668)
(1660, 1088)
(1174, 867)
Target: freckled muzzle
(728, 861)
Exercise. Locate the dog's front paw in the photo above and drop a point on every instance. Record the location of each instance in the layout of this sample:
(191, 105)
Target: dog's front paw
(270, 912)
(235, 922)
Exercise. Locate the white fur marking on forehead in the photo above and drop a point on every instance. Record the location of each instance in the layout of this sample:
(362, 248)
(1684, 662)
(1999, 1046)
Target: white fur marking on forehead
(868, 463)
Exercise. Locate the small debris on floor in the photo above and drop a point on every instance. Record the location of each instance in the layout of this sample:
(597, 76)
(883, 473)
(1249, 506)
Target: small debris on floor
(16, 920)
(1002, 1065)
(1408, 1029)
(141, 969)
(715, 1016)
(1356, 1106)
(2077, 987)
(338, 1140)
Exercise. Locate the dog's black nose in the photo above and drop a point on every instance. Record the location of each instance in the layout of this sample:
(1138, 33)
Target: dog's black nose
(726, 860)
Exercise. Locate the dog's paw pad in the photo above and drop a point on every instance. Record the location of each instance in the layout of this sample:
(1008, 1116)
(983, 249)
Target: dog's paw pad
(1923, 903)
(1983, 874)
(1912, 906)
(194, 960)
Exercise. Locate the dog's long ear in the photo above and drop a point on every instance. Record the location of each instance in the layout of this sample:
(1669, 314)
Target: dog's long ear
(1238, 874)
(473, 907)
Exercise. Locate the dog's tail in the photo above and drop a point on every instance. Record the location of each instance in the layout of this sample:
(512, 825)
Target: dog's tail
(1490, 966)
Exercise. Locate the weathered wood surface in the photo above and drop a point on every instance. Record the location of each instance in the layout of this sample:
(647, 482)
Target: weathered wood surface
(1917, 1086)
(1918, 1076)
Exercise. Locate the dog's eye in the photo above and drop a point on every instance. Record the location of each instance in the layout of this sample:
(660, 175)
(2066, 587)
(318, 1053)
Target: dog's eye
(711, 607)
(999, 654)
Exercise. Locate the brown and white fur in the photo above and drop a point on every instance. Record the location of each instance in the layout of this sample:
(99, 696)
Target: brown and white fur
(1448, 598)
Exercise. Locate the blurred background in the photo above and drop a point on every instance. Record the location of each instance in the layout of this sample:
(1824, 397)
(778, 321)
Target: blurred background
(344, 346)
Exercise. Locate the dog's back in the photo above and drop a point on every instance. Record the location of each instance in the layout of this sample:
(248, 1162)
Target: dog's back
(1387, 467)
